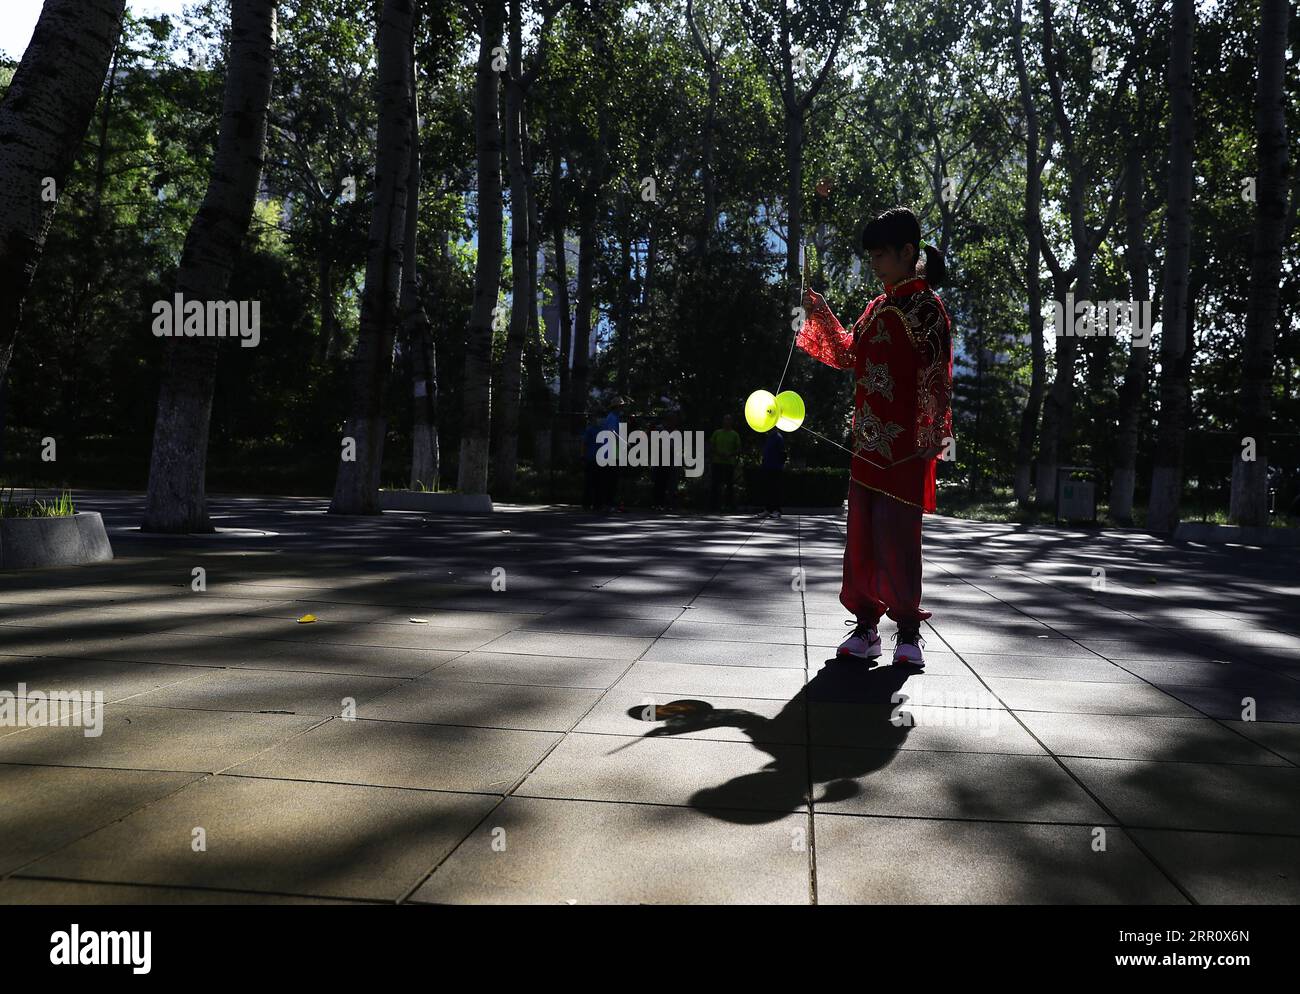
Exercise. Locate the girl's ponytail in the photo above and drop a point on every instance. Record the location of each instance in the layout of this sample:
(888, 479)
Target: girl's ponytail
(934, 269)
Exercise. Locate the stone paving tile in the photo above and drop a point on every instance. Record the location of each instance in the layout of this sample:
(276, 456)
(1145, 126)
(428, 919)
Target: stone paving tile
(1031, 667)
(971, 786)
(1281, 737)
(65, 643)
(921, 861)
(573, 624)
(1050, 648)
(1217, 868)
(405, 754)
(285, 837)
(25, 891)
(768, 779)
(436, 700)
(726, 653)
(710, 681)
(936, 663)
(1204, 673)
(1223, 651)
(533, 670)
(115, 679)
(578, 646)
(714, 631)
(1191, 740)
(1087, 697)
(729, 611)
(199, 650)
(1211, 797)
(933, 729)
(46, 807)
(550, 844)
(141, 738)
(410, 636)
(319, 694)
(1226, 703)
(605, 606)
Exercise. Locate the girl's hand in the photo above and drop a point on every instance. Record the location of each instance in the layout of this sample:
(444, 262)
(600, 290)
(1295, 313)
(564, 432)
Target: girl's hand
(812, 300)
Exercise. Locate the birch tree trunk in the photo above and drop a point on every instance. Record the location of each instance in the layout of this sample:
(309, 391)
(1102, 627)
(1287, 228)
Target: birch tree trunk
(472, 473)
(1175, 347)
(43, 120)
(415, 321)
(506, 420)
(356, 488)
(1124, 476)
(1249, 503)
(559, 211)
(1033, 262)
(177, 500)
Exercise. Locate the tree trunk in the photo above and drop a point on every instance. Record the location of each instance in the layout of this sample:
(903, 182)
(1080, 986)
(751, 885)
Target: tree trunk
(588, 208)
(1058, 415)
(559, 211)
(624, 316)
(1033, 262)
(1124, 476)
(43, 120)
(325, 289)
(415, 321)
(506, 419)
(536, 406)
(586, 301)
(176, 500)
(1175, 315)
(356, 488)
(472, 473)
(794, 197)
(476, 419)
(1249, 504)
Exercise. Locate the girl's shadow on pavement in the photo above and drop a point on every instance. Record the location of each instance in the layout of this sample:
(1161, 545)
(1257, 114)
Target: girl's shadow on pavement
(847, 698)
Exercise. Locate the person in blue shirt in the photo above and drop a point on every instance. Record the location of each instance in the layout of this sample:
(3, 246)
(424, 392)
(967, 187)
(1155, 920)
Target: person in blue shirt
(608, 476)
(772, 470)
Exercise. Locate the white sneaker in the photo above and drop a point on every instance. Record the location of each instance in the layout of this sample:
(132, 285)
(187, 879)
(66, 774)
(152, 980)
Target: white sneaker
(907, 649)
(864, 643)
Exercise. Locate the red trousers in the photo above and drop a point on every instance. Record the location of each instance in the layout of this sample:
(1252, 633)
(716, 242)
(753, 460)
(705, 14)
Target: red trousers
(882, 559)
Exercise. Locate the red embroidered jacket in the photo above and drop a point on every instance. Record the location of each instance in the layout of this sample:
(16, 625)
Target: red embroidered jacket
(900, 351)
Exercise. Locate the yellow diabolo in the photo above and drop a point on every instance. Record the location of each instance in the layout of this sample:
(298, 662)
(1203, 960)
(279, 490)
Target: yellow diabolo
(760, 411)
(789, 410)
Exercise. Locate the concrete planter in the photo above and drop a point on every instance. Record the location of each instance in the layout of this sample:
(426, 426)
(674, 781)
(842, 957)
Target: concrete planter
(418, 500)
(30, 543)
(1203, 531)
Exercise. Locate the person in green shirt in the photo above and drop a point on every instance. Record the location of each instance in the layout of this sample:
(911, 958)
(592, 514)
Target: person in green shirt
(724, 447)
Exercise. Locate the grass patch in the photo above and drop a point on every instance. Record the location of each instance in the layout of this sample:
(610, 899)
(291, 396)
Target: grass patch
(35, 507)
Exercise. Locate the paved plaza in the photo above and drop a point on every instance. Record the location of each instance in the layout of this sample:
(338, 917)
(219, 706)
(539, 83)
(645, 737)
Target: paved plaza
(543, 706)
